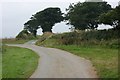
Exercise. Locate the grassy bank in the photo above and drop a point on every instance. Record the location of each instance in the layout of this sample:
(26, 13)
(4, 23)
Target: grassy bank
(101, 50)
(18, 62)
(105, 60)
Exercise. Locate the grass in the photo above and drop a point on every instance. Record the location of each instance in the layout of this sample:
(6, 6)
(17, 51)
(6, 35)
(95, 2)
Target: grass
(48, 42)
(18, 62)
(13, 41)
(0, 64)
(105, 60)
(0, 67)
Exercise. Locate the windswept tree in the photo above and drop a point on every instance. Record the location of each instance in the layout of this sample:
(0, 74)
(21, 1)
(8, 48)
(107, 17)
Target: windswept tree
(85, 15)
(32, 26)
(111, 18)
(47, 18)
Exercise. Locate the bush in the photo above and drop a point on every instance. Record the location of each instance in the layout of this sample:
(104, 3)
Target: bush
(98, 37)
(24, 35)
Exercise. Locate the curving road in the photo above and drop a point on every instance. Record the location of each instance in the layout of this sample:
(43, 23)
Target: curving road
(55, 63)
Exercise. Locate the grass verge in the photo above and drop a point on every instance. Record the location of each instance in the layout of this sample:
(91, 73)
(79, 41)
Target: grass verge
(18, 62)
(0, 64)
(13, 41)
(105, 60)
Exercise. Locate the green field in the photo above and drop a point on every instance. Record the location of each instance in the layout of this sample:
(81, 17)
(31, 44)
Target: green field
(105, 60)
(18, 62)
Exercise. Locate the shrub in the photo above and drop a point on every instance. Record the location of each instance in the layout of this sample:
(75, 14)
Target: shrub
(98, 37)
(24, 34)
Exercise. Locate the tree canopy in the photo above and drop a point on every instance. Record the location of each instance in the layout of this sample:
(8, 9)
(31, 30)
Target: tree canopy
(85, 15)
(48, 17)
(32, 26)
(45, 19)
(111, 18)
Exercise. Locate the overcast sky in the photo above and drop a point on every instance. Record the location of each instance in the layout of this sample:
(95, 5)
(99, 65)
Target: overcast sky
(14, 13)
